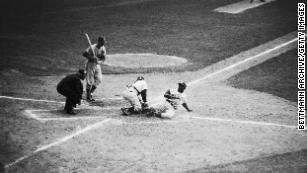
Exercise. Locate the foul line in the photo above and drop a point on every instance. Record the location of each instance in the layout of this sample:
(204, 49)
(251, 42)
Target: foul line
(51, 101)
(245, 122)
(243, 61)
(30, 113)
(34, 100)
(241, 6)
(196, 81)
(58, 142)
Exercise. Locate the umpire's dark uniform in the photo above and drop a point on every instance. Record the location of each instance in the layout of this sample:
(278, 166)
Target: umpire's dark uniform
(72, 88)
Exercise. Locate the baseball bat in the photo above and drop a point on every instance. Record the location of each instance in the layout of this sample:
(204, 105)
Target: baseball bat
(89, 42)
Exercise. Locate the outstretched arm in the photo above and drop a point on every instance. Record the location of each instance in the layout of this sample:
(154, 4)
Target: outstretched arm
(185, 105)
(168, 95)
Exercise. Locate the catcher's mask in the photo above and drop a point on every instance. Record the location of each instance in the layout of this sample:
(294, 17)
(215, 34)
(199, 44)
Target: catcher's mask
(182, 86)
(140, 78)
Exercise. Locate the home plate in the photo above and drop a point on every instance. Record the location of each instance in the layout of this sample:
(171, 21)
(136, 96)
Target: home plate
(241, 6)
(59, 114)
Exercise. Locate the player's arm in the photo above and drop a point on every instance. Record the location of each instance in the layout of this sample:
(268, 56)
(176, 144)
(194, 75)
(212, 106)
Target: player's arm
(89, 56)
(185, 105)
(184, 102)
(169, 95)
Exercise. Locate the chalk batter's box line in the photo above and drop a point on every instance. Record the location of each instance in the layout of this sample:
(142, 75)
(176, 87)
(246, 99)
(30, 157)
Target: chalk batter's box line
(34, 115)
(58, 142)
(52, 101)
(258, 123)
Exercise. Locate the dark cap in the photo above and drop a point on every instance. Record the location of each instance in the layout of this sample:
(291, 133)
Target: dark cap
(183, 84)
(81, 71)
(101, 39)
(140, 78)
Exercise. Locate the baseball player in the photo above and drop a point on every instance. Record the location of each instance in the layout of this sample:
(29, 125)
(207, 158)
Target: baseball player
(96, 55)
(136, 95)
(251, 1)
(172, 98)
(72, 88)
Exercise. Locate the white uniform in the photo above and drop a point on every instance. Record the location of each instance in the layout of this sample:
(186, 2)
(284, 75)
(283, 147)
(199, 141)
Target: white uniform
(93, 69)
(168, 107)
(132, 94)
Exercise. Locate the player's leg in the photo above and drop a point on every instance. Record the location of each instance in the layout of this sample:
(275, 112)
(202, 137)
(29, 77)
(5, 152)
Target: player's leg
(90, 80)
(88, 93)
(157, 109)
(71, 100)
(69, 105)
(97, 81)
(131, 96)
(68, 94)
(169, 113)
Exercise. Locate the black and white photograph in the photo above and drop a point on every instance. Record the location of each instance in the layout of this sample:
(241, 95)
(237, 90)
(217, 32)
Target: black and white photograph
(152, 86)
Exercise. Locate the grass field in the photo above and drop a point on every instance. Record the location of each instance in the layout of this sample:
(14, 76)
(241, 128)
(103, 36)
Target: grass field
(245, 123)
(276, 76)
(52, 42)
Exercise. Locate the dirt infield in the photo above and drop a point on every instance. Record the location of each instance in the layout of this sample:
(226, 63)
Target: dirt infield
(142, 60)
(229, 130)
(243, 125)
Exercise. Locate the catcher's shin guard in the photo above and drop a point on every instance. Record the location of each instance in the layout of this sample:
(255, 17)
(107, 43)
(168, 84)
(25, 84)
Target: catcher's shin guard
(89, 90)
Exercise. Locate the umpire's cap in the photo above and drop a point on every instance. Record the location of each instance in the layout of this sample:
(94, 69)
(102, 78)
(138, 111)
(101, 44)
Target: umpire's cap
(81, 71)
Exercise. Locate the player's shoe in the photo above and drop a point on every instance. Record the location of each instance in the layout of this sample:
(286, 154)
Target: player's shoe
(71, 112)
(125, 111)
(89, 97)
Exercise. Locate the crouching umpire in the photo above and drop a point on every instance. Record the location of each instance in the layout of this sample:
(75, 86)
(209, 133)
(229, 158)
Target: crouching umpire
(72, 88)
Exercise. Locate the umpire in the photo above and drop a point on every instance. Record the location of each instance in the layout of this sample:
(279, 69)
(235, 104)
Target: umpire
(72, 88)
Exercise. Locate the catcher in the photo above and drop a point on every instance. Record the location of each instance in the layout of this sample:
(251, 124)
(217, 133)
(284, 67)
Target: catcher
(172, 99)
(136, 95)
(96, 55)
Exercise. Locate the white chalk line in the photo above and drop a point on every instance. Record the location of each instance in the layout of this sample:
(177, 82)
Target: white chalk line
(196, 81)
(60, 141)
(30, 113)
(244, 122)
(161, 121)
(52, 101)
(241, 6)
(72, 118)
(34, 100)
(241, 62)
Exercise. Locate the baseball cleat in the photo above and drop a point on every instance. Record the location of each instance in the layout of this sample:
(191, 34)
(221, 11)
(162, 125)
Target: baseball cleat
(124, 111)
